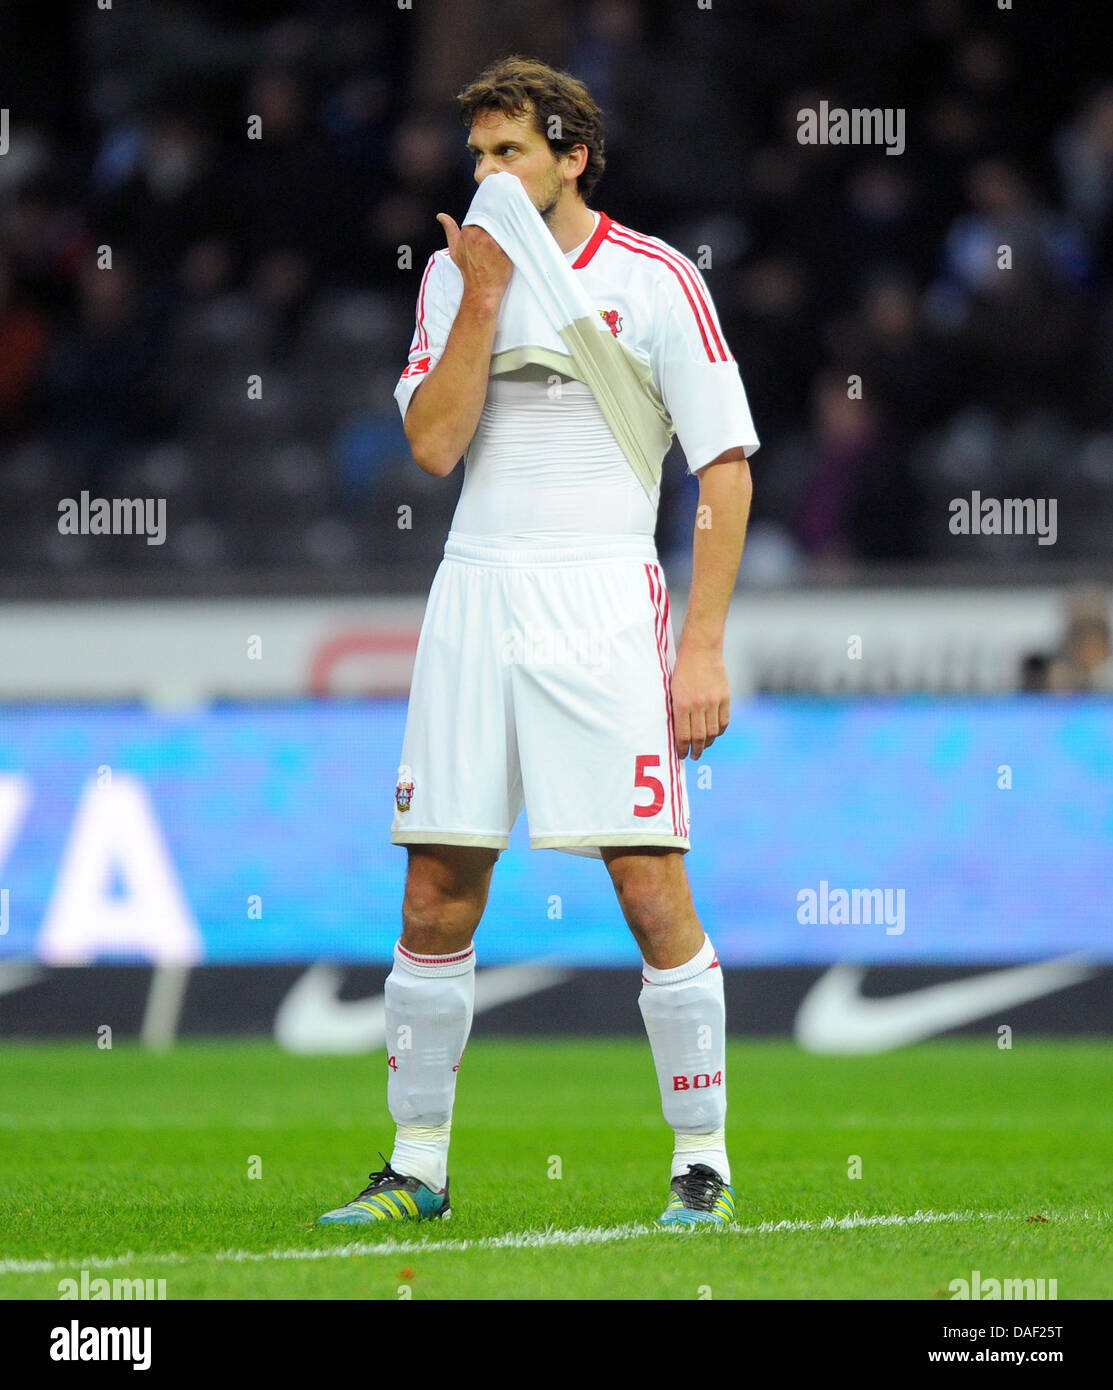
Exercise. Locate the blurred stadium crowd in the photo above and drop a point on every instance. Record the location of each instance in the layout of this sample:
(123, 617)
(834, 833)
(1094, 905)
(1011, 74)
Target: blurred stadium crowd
(279, 257)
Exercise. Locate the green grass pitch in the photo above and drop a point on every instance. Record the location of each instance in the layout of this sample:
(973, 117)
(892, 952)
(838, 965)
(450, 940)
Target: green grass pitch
(126, 1153)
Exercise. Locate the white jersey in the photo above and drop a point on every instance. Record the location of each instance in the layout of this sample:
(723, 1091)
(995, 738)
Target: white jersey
(544, 468)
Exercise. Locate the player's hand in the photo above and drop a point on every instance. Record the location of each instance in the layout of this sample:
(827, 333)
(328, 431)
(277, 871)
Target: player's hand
(482, 262)
(700, 700)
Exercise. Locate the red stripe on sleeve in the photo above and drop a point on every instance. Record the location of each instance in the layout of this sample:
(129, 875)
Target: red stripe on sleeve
(422, 340)
(685, 268)
(689, 283)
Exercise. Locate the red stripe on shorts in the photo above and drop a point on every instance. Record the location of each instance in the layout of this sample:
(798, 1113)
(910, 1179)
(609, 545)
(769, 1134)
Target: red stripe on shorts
(672, 745)
(655, 587)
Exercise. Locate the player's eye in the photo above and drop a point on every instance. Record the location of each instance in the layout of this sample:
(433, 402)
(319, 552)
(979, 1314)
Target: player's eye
(502, 149)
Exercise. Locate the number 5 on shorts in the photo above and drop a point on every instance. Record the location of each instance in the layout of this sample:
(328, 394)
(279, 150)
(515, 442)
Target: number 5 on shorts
(651, 784)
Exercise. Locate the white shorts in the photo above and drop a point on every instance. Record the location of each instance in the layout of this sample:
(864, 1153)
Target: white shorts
(542, 680)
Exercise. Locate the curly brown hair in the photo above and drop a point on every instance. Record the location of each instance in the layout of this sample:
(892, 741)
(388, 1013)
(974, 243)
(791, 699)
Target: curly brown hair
(517, 85)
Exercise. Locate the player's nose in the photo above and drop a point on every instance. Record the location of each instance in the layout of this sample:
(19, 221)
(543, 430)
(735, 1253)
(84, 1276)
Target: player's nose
(487, 164)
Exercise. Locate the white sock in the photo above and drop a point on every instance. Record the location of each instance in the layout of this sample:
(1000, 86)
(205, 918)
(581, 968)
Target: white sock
(701, 1148)
(685, 1017)
(421, 1151)
(429, 1004)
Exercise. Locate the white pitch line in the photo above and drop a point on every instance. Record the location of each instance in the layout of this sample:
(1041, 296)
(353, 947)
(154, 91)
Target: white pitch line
(513, 1240)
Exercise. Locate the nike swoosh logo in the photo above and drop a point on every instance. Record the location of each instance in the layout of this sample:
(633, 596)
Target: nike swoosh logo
(835, 1017)
(16, 975)
(312, 1019)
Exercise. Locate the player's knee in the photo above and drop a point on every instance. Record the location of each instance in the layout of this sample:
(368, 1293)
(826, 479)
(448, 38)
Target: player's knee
(440, 904)
(656, 923)
(649, 919)
(436, 917)
(657, 904)
(650, 887)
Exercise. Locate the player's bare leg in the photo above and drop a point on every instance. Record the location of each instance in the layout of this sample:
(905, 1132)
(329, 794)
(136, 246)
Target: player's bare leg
(684, 1012)
(653, 892)
(430, 996)
(446, 894)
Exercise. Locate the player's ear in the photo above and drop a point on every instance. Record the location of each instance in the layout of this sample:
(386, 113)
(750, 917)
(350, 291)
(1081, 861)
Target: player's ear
(577, 160)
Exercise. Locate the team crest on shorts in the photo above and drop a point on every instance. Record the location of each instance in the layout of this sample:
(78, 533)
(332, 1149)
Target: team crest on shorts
(403, 792)
(613, 319)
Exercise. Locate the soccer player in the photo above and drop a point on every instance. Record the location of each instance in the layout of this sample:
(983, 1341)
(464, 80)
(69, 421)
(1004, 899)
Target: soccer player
(546, 673)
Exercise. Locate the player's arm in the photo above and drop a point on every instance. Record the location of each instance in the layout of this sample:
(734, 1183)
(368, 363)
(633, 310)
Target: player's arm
(444, 411)
(703, 393)
(700, 690)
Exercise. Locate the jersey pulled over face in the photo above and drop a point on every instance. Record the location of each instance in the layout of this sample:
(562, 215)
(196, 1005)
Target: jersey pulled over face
(544, 467)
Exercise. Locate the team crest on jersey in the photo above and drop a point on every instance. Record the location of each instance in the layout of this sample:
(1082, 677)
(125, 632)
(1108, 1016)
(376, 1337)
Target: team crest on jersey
(404, 792)
(613, 319)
